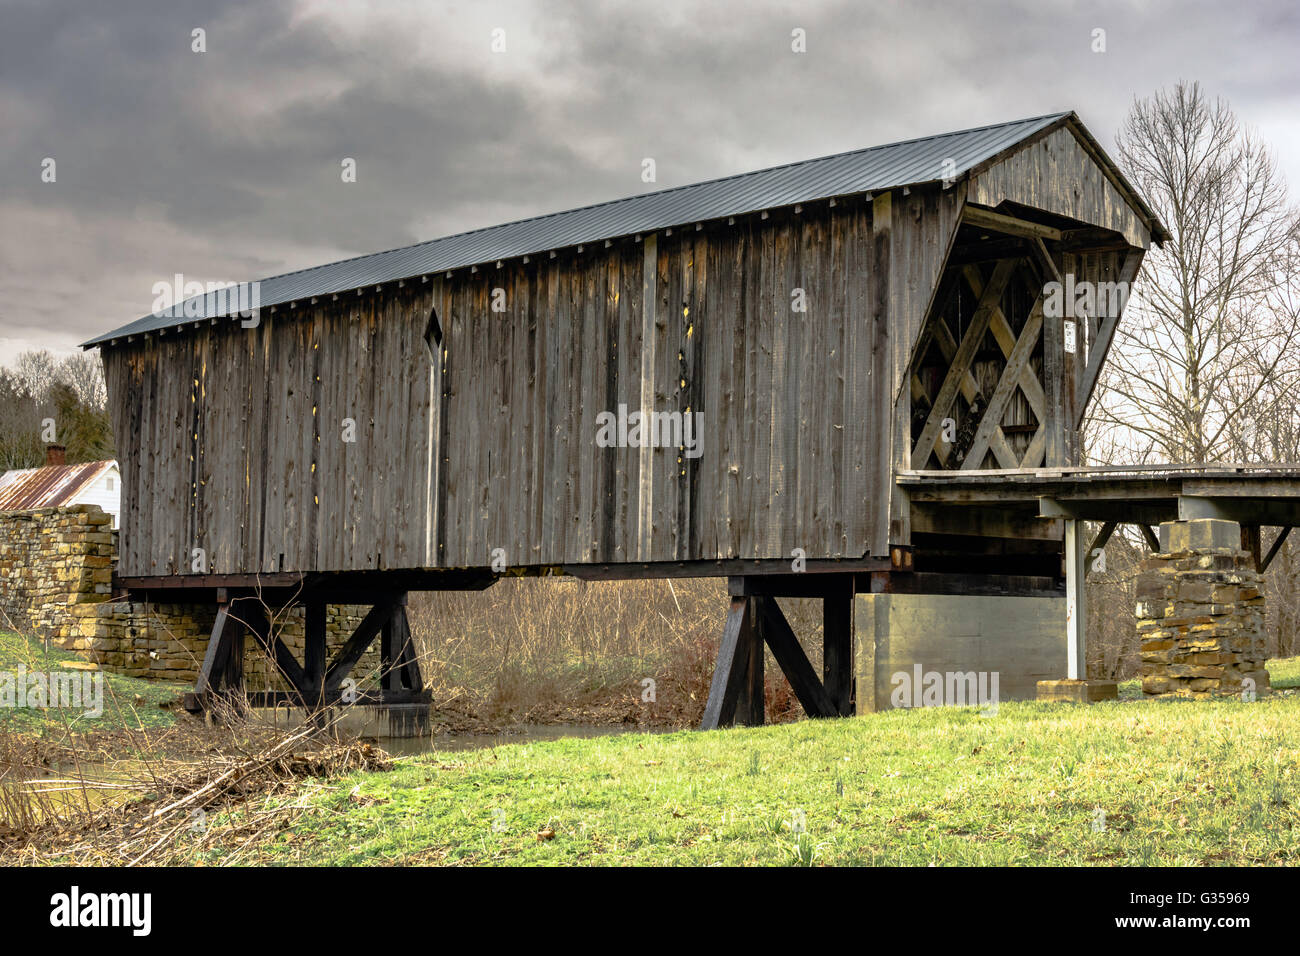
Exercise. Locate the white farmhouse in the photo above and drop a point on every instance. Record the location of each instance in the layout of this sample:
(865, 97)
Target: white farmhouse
(57, 484)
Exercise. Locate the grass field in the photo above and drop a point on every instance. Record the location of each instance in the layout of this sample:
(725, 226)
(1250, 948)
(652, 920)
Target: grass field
(128, 703)
(1125, 783)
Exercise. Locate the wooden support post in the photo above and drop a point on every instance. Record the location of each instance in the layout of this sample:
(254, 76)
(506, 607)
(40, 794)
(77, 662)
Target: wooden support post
(389, 678)
(1152, 540)
(1056, 453)
(1076, 605)
(751, 704)
(1251, 543)
(837, 648)
(794, 662)
(314, 654)
(732, 670)
(222, 670)
(251, 613)
(1277, 546)
(213, 669)
(1105, 335)
(398, 665)
(356, 645)
(233, 680)
(1098, 543)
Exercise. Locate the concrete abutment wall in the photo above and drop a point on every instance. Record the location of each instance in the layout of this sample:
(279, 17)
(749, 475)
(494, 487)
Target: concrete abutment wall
(1009, 643)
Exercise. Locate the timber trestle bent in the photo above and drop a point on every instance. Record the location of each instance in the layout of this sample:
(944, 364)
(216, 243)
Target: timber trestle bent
(316, 682)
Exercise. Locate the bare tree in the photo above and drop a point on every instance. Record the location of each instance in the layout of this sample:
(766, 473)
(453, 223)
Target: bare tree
(1210, 335)
(34, 372)
(83, 372)
(1205, 365)
(21, 419)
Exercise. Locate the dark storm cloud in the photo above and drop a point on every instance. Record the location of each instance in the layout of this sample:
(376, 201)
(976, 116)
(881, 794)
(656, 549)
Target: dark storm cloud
(225, 165)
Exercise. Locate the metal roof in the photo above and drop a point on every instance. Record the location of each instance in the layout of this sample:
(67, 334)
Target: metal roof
(909, 163)
(27, 489)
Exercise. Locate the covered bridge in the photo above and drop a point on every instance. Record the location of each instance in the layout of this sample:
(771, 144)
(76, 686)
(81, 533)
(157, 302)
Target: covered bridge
(436, 415)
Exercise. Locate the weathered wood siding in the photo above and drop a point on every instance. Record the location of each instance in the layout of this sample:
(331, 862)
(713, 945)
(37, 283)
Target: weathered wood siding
(789, 439)
(1057, 175)
(236, 441)
(231, 440)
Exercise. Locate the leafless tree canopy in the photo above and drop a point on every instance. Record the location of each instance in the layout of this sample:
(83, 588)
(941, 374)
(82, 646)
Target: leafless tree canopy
(39, 387)
(1204, 364)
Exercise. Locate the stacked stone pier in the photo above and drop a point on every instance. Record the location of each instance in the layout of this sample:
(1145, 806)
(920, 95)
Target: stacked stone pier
(1200, 613)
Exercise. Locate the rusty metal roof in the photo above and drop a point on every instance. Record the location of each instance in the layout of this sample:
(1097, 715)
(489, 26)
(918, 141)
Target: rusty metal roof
(27, 489)
(909, 163)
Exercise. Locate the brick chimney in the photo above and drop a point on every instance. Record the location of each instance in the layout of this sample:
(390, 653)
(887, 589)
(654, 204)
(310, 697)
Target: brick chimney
(55, 455)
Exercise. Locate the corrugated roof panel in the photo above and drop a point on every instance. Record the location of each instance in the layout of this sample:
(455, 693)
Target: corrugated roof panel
(29, 488)
(866, 170)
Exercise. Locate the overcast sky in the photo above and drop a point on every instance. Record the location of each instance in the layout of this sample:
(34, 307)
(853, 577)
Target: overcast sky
(225, 164)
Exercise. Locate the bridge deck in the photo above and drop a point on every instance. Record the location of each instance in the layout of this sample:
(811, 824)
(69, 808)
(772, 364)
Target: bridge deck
(1248, 494)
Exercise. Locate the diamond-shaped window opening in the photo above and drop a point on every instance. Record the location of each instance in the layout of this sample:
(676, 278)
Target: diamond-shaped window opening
(433, 335)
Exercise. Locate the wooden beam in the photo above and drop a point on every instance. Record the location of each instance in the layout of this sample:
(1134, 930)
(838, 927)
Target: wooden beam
(356, 645)
(1251, 544)
(1006, 339)
(800, 585)
(1100, 349)
(1053, 420)
(314, 649)
(982, 523)
(969, 389)
(889, 392)
(961, 362)
(751, 706)
(837, 648)
(794, 662)
(1044, 260)
(1108, 509)
(253, 615)
(996, 221)
(1008, 382)
(1037, 449)
(214, 658)
(987, 250)
(1093, 239)
(233, 679)
(993, 585)
(732, 668)
(1099, 542)
(718, 569)
(398, 667)
(1276, 547)
(408, 662)
(1153, 541)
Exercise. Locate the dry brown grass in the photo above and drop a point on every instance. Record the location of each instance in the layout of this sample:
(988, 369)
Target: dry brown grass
(157, 810)
(535, 646)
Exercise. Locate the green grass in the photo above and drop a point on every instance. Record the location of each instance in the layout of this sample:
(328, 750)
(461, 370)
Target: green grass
(1141, 783)
(128, 701)
(1284, 674)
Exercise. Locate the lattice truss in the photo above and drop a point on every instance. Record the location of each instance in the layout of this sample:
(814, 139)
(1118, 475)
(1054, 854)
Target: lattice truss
(976, 379)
